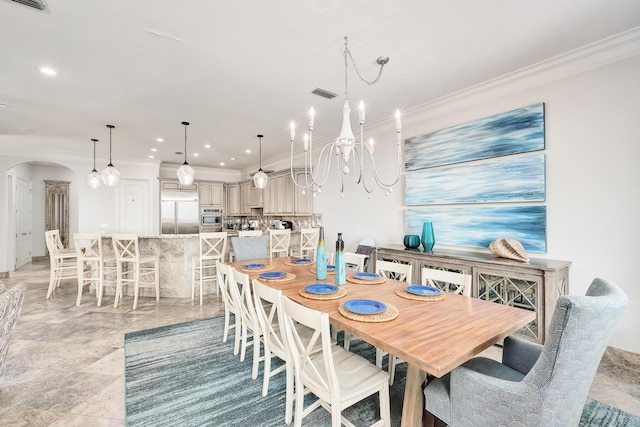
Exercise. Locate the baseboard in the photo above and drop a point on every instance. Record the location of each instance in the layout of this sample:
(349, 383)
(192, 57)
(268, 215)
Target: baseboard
(39, 258)
(626, 359)
(4, 274)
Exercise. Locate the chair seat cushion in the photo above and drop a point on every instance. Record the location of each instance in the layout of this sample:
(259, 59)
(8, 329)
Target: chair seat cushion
(250, 248)
(437, 392)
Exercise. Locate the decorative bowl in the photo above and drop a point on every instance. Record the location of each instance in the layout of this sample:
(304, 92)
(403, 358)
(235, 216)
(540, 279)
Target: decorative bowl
(411, 241)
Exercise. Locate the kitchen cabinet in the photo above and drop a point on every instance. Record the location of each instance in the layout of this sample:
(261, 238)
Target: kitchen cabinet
(175, 185)
(534, 286)
(211, 194)
(245, 190)
(233, 200)
(282, 197)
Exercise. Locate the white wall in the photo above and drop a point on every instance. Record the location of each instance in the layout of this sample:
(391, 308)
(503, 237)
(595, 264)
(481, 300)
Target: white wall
(593, 199)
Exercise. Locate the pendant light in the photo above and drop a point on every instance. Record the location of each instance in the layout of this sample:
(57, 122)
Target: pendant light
(260, 178)
(110, 175)
(186, 174)
(94, 180)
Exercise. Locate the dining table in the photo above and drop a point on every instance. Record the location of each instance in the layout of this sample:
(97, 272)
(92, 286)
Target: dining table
(433, 336)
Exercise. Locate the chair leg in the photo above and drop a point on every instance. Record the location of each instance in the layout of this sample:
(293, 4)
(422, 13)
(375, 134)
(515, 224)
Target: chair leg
(201, 287)
(385, 407)
(225, 333)
(156, 276)
(238, 333)
(243, 347)
(80, 283)
(392, 368)
(256, 355)
(288, 412)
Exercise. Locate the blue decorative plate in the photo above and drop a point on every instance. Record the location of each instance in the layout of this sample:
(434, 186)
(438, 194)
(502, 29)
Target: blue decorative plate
(423, 290)
(321, 288)
(301, 260)
(366, 276)
(365, 306)
(273, 275)
(253, 266)
(331, 268)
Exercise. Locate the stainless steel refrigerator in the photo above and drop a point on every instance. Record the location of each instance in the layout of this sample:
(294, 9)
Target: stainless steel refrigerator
(179, 213)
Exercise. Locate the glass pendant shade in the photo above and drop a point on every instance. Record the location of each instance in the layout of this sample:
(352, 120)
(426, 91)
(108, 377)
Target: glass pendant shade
(185, 173)
(260, 179)
(110, 175)
(94, 180)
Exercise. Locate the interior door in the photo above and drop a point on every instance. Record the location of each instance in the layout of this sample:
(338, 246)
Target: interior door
(23, 205)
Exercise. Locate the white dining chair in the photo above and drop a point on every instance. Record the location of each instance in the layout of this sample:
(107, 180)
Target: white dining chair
(354, 261)
(94, 267)
(250, 326)
(63, 262)
(226, 281)
(329, 374)
(213, 247)
(308, 243)
(142, 271)
(279, 242)
(448, 281)
(395, 271)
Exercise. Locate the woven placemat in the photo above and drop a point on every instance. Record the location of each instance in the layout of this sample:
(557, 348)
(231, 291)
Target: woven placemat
(352, 279)
(402, 292)
(289, 276)
(294, 264)
(389, 314)
(313, 270)
(258, 270)
(335, 295)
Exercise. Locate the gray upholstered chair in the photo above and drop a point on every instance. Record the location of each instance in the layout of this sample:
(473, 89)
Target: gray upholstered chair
(10, 305)
(250, 248)
(534, 385)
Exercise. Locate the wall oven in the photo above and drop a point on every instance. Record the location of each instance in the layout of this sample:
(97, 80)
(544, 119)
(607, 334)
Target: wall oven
(211, 219)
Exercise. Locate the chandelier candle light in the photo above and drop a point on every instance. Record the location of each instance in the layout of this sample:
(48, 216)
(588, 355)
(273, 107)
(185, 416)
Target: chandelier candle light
(110, 175)
(186, 174)
(94, 180)
(346, 146)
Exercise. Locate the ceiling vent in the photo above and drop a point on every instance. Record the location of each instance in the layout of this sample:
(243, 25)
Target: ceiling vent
(324, 93)
(36, 4)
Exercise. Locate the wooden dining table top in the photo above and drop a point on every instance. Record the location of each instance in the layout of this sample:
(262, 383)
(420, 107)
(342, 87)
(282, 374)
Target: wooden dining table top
(434, 336)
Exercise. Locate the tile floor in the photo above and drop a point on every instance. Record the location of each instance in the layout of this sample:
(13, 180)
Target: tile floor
(65, 363)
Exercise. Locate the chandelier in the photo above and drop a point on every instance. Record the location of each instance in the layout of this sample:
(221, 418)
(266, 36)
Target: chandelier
(347, 149)
(110, 175)
(94, 179)
(185, 173)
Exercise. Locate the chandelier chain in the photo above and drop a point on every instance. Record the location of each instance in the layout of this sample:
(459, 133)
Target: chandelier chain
(347, 54)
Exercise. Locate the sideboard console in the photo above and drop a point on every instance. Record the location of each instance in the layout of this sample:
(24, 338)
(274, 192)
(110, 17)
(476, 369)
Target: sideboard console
(534, 286)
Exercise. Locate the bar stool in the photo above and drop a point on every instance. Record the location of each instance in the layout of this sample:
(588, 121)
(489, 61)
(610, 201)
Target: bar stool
(63, 262)
(93, 265)
(308, 243)
(279, 242)
(213, 247)
(141, 271)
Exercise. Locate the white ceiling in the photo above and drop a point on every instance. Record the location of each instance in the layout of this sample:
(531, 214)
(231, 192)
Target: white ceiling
(238, 68)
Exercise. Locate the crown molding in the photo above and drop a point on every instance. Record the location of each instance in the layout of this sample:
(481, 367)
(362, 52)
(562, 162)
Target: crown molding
(603, 52)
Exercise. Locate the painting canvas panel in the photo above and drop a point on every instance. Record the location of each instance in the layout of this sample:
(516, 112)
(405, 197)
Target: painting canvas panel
(505, 179)
(479, 226)
(517, 131)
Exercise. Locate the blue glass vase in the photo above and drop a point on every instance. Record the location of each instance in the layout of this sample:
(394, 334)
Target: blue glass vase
(428, 239)
(321, 257)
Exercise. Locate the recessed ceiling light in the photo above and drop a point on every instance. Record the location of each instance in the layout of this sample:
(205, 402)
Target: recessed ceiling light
(247, 151)
(154, 149)
(221, 163)
(151, 156)
(196, 155)
(233, 158)
(207, 145)
(159, 139)
(48, 71)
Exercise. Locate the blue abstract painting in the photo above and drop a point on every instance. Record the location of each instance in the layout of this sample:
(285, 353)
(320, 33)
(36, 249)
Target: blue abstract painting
(479, 226)
(505, 179)
(517, 131)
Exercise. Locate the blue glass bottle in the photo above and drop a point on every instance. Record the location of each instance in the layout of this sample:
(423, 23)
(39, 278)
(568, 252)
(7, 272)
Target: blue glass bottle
(341, 274)
(321, 257)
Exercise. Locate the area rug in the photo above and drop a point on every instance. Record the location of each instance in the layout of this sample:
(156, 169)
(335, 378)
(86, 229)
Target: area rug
(184, 375)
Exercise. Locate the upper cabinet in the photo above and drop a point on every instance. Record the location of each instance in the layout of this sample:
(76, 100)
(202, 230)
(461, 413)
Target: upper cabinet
(233, 200)
(282, 197)
(211, 194)
(171, 184)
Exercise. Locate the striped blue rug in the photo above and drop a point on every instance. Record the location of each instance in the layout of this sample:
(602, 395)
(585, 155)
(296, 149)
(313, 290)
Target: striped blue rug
(184, 375)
